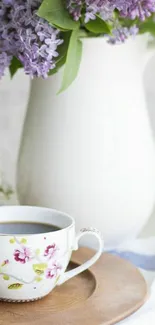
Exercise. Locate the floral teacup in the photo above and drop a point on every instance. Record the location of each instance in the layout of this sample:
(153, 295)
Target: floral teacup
(33, 262)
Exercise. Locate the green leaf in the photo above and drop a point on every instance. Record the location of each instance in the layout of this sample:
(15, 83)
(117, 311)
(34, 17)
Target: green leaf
(6, 277)
(83, 33)
(98, 26)
(14, 66)
(23, 241)
(128, 22)
(147, 27)
(39, 272)
(55, 13)
(60, 28)
(37, 251)
(72, 61)
(15, 286)
(59, 64)
(39, 268)
(12, 241)
(62, 50)
(38, 279)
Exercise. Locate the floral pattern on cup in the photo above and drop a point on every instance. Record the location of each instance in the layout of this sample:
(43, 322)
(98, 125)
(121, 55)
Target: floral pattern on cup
(23, 255)
(50, 251)
(53, 271)
(45, 265)
(5, 262)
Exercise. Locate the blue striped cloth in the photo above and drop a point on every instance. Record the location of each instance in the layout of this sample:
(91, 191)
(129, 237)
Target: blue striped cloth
(140, 252)
(143, 261)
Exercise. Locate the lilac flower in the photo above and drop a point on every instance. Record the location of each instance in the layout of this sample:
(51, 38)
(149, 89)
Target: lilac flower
(89, 15)
(34, 42)
(139, 8)
(133, 30)
(121, 34)
(91, 8)
(105, 8)
(75, 8)
(30, 38)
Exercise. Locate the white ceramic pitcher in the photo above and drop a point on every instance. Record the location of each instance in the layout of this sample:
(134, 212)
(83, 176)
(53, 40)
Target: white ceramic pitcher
(89, 151)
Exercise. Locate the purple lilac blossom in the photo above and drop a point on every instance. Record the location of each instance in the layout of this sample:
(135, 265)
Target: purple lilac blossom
(91, 8)
(121, 34)
(141, 9)
(105, 8)
(30, 38)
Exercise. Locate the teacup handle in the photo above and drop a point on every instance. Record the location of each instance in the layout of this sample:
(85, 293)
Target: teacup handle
(70, 274)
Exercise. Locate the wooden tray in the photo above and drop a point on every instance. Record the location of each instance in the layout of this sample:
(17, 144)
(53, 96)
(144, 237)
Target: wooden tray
(110, 291)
